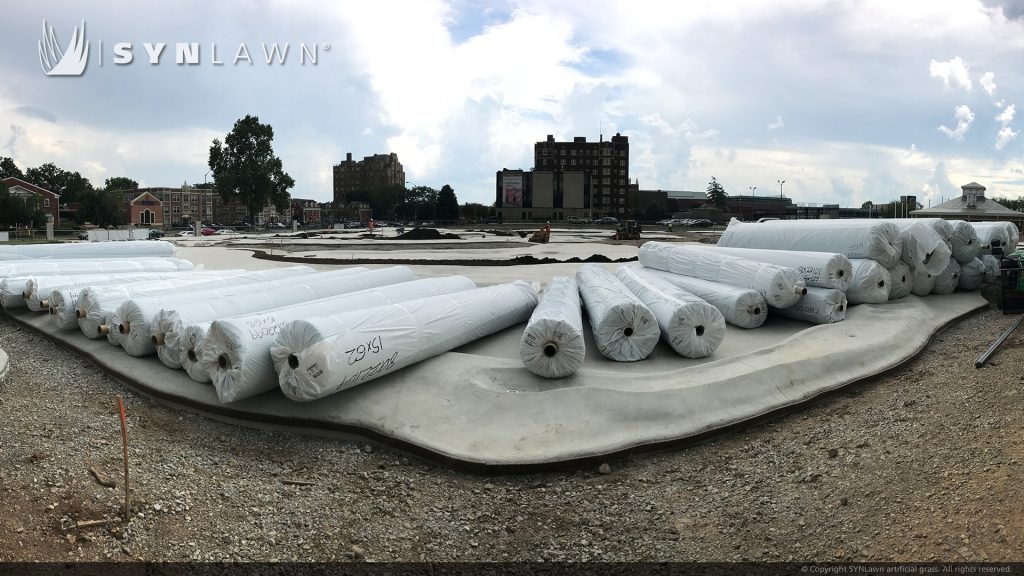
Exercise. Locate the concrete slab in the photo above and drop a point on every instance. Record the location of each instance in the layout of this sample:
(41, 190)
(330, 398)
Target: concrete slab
(479, 406)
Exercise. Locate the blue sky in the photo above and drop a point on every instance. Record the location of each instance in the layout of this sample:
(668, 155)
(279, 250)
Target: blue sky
(846, 101)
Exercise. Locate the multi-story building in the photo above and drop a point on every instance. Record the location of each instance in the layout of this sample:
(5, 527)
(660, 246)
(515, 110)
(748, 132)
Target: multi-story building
(179, 207)
(45, 200)
(370, 173)
(305, 212)
(606, 162)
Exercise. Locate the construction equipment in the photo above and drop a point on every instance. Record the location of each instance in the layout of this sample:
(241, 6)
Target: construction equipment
(542, 235)
(628, 230)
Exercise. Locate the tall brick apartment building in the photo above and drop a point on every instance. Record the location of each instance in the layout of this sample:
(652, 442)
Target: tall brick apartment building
(606, 162)
(370, 173)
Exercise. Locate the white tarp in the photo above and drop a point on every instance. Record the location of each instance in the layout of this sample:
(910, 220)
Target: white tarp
(235, 353)
(972, 274)
(553, 345)
(169, 324)
(689, 325)
(139, 315)
(923, 247)
(922, 283)
(97, 305)
(818, 306)
(991, 234)
(16, 275)
(902, 280)
(190, 348)
(871, 283)
(878, 240)
(991, 273)
(741, 307)
(382, 340)
(821, 269)
(966, 244)
(781, 286)
(39, 288)
(947, 281)
(625, 330)
(133, 249)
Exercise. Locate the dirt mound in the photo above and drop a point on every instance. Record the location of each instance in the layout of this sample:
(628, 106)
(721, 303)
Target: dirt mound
(427, 234)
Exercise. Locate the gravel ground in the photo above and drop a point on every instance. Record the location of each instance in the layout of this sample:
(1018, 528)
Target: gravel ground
(922, 464)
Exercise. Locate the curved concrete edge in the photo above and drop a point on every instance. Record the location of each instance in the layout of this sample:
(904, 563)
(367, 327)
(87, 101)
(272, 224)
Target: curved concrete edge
(481, 412)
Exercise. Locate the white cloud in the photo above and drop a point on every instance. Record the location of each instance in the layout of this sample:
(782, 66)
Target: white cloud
(1005, 136)
(778, 123)
(964, 118)
(954, 73)
(988, 83)
(1006, 116)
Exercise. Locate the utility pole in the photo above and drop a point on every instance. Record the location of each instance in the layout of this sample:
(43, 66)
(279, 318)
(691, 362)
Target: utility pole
(753, 195)
(781, 182)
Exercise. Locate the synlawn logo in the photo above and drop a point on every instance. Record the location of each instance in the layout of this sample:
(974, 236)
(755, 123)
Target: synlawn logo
(72, 60)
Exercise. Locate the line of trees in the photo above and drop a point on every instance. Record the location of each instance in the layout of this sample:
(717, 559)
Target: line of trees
(416, 203)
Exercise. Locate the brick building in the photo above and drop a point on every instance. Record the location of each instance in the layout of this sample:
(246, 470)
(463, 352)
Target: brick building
(606, 162)
(522, 196)
(305, 212)
(370, 173)
(48, 202)
(146, 210)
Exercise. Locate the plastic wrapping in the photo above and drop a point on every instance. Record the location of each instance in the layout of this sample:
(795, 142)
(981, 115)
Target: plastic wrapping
(140, 315)
(236, 351)
(781, 286)
(382, 340)
(871, 283)
(16, 275)
(821, 269)
(168, 326)
(741, 307)
(1005, 232)
(691, 326)
(819, 306)
(902, 280)
(947, 280)
(922, 283)
(553, 345)
(97, 305)
(966, 244)
(189, 346)
(923, 247)
(878, 240)
(40, 287)
(89, 250)
(972, 274)
(625, 330)
(991, 273)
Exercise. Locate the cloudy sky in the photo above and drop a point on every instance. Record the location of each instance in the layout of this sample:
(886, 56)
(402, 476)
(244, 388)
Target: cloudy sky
(846, 101)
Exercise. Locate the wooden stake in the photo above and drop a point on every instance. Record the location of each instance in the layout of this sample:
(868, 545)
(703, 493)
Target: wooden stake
(124, 446)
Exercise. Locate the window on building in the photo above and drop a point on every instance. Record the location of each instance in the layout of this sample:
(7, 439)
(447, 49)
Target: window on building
(46, 202)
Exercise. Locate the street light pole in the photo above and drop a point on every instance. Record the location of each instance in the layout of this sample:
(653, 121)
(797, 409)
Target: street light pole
(753, 195)
(781, 182)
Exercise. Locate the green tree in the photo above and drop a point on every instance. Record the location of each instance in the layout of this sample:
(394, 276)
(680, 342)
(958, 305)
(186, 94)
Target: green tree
(866, 205)
(717, 194)
(246, 170)
(420, 203)
(120, 183)
(447, 204)
(70, 185)
(8, 168)
(473, 211)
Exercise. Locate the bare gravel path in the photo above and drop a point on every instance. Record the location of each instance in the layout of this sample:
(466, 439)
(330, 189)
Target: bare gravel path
(926, 463)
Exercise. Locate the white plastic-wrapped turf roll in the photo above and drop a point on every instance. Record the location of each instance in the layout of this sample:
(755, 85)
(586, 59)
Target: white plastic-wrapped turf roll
(781, 286)
(821, 269)
(741, 307)
(972, 274)
(89, 250)
(871, 283)
(40, 287)
(991, 235)
(139, 315)
(236, 351)
(552, 345)
(382, 340)
(190, 348)
(18, 274)
(96, 305)
(991, 273)
(923, 247)
(168, 326)
(691, 326)
(625, 330)
(922, 283)
(947, 281)
(878, 240)
(966, 244)
(902, 280)
(819, 306)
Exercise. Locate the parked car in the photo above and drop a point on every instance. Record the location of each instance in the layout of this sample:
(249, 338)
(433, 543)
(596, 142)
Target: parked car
(185, 233)
(225, 232)
(209, 231)
(277, 225)
(577, 220)
(155, 234)
(607, 220)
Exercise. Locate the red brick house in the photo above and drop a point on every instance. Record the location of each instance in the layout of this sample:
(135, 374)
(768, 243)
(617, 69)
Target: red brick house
(146, 210)
(49, 202)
